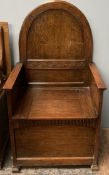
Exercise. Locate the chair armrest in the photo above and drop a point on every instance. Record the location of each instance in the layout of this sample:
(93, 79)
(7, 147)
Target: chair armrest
(9, 84)
(97, 77)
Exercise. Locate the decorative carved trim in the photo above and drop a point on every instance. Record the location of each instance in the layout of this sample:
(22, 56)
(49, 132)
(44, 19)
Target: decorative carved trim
(90, 123)
(55, 64)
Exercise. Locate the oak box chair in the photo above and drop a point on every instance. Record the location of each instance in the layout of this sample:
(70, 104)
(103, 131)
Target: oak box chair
(55, 93)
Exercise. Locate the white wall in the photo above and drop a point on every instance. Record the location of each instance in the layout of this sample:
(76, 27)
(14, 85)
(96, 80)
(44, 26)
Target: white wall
(97, 12)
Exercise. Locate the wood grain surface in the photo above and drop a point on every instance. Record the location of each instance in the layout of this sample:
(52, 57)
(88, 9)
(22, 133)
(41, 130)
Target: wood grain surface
(55, 93)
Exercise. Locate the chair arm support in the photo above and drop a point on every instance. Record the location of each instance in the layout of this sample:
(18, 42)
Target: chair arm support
(13, 77)
(97, 77)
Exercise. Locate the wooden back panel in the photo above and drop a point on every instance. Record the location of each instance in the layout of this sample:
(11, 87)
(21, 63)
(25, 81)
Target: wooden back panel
(56, 44)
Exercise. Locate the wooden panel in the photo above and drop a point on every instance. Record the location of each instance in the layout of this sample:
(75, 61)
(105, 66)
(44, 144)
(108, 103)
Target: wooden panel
(56, 30)
(55, 34)
(54, 141)
(40, 103)
(43, 75)
(54, 64)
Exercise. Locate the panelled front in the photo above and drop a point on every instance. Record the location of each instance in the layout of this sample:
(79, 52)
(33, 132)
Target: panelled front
(54, 140)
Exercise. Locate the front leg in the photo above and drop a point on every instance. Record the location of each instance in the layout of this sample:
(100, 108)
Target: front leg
(16, 169)
(94, 167)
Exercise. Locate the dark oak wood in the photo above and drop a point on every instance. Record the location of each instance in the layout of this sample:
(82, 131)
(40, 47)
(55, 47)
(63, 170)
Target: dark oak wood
(55, 93)
(5, 69)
